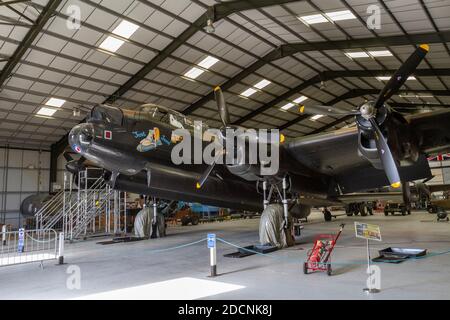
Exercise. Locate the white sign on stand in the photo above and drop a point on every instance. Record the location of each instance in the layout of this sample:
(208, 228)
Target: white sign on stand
(368, 232)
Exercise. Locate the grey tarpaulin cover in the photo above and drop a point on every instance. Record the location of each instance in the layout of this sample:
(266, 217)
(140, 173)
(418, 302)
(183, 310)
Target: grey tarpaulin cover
(271, 229)
(143, 224)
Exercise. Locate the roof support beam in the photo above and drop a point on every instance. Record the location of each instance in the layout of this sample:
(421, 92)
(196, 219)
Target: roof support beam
(31, 35)
(293, 48)
(418, 38)
(217, 12)
(330, 75)
(7, 3)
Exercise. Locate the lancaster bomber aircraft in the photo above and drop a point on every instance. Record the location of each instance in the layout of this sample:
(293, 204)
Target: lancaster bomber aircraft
(384, 148)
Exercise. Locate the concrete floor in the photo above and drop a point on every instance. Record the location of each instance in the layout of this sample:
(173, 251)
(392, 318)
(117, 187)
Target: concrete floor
(135, 270)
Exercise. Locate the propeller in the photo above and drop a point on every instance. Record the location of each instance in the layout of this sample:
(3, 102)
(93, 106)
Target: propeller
(225, 118)
(208, 171)
(370, 111)
(327, 110)
(222, 106)
(386, 157)
(402, 74)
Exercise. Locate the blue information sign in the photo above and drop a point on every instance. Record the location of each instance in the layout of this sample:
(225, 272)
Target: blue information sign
(211, 239)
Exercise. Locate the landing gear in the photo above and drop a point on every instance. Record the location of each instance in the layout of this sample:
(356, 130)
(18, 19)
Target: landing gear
(282, 196)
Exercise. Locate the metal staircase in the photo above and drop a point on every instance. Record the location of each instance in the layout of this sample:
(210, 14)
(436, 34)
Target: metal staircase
(75, 212)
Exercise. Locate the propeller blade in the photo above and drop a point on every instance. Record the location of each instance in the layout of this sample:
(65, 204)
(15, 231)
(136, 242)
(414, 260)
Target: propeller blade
(386, 157)
(205, 175)
(327, 110)
(208, 171)
(402, 74)
(221, 105)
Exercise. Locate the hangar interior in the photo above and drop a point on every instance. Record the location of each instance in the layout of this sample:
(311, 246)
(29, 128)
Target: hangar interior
(60, 58)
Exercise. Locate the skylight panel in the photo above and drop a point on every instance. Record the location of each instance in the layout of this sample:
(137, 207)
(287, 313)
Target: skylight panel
(380, 53)
(262, 84)
(356, 54)
(300, 99)
(46, 112)
(125, 29)
(55, 102)
(287, 106)
(194, 73)
(208, 62)
(247, 93)
(340, 15)
(313, 19)
(384, 78)
(316, 117)
(111, 44)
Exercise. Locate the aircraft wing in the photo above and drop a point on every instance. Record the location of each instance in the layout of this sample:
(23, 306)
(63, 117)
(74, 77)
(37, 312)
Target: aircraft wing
(336, 155)
(433, 131)
(438, 187)
(371, 196)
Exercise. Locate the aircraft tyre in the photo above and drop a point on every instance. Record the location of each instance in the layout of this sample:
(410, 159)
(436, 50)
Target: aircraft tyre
(363, 210)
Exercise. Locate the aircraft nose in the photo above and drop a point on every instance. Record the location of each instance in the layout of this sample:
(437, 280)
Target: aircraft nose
(81, 136)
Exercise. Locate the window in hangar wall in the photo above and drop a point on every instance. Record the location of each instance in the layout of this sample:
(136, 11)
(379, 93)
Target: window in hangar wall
(22, 173)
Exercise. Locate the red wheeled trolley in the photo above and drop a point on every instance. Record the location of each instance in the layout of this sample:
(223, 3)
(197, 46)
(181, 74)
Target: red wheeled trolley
(319, 256)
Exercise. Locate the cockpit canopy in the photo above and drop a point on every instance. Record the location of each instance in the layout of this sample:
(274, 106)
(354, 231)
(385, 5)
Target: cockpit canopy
(154, 112)
(147, 112)
(108, 114)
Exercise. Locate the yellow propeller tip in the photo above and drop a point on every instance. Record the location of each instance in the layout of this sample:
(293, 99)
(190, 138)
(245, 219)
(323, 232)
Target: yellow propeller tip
(301, 109)
(198, 186)
(396, 185)
(425, 47)
(217, 88)
(282, 138)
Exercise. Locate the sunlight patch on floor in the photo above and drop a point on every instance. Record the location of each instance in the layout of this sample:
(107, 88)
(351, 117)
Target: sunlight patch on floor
(176, 289)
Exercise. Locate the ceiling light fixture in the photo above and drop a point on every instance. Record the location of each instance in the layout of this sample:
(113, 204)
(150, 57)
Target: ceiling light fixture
(76, 112)
(209, 28)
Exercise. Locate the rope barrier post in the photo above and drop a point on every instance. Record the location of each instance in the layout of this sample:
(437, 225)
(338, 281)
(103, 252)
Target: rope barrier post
(61, 248)
(211, 241)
